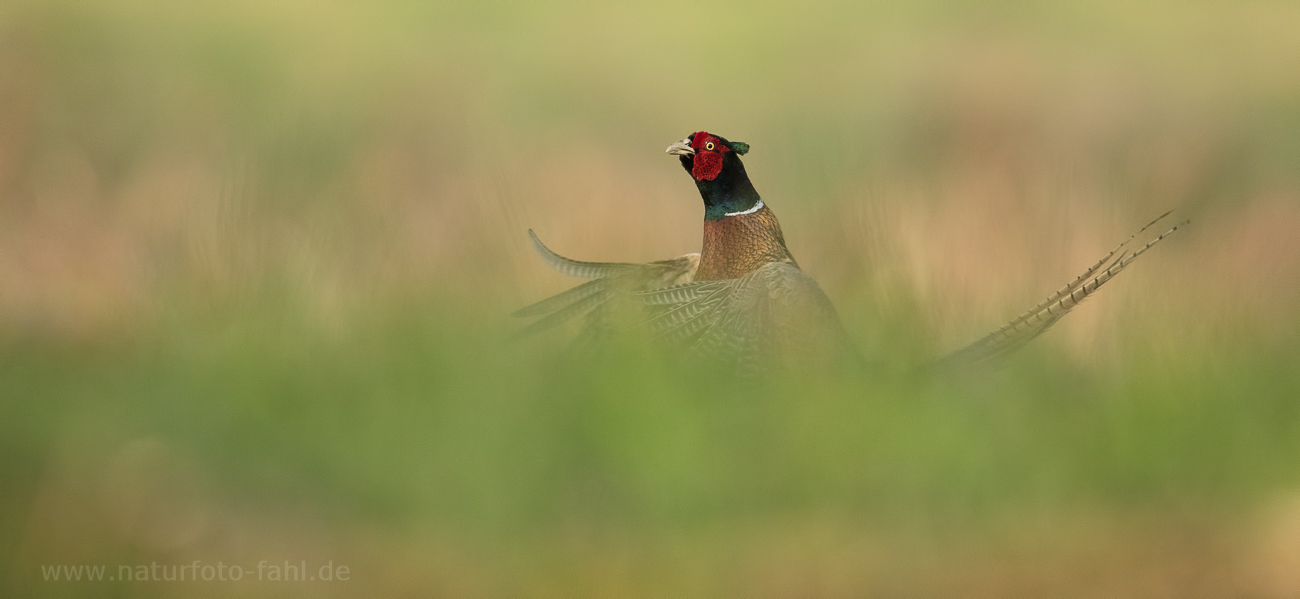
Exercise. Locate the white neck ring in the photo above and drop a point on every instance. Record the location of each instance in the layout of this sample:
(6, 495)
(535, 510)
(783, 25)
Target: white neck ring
(756, 208)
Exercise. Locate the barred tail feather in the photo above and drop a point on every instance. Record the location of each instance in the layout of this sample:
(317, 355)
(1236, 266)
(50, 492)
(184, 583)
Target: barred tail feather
(1038, 319)
(1087, 274)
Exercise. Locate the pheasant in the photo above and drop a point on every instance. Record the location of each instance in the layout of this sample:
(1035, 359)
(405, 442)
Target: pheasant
(743, 297)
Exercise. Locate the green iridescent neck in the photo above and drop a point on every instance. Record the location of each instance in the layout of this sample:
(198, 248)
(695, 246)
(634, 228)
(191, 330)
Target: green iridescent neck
(731, 192)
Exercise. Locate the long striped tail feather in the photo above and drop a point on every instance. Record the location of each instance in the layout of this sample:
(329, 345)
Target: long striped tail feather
(1036, 320)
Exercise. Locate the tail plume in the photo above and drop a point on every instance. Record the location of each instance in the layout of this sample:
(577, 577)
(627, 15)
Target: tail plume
(1038, 319)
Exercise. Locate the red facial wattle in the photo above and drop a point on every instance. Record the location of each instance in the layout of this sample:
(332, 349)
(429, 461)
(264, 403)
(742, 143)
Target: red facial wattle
(708, 162)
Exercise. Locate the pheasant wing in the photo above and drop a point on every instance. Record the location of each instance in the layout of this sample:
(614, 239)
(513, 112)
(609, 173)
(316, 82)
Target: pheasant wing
(775, 315)
(610, 281)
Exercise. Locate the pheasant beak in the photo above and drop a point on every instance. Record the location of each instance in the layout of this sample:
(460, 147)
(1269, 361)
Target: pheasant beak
(681, 148)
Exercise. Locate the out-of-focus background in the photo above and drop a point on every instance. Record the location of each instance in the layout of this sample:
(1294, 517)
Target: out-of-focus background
(257, 261)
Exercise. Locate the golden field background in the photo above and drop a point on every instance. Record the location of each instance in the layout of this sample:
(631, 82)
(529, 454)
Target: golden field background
(257, 262)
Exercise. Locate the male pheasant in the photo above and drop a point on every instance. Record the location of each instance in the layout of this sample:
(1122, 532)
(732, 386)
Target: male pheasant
(743, 298)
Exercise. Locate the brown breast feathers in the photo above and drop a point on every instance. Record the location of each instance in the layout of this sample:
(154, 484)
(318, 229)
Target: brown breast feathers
(736, 245)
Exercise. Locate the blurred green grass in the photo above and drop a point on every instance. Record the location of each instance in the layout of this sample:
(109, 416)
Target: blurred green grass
(257, 263)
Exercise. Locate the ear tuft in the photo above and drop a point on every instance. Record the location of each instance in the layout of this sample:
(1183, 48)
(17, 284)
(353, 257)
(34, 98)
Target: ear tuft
(738, 147)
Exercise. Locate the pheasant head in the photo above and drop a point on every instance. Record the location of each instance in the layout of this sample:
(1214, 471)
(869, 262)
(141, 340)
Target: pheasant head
(714, 163)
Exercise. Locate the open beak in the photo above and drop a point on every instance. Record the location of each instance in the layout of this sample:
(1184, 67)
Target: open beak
(681, 148)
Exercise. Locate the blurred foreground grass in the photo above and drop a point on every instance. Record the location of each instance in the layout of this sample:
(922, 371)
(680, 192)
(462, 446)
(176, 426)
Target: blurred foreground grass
(255, 263)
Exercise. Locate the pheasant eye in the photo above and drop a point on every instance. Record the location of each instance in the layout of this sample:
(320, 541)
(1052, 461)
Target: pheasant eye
(708, 145)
